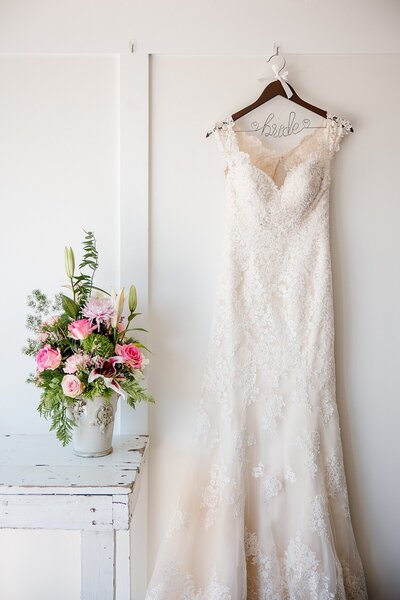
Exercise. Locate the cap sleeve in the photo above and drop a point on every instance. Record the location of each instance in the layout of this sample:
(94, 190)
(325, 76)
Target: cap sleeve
(222, 133)
(338, 128)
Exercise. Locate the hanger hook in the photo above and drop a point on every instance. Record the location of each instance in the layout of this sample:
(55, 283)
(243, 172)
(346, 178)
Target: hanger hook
(276, 53)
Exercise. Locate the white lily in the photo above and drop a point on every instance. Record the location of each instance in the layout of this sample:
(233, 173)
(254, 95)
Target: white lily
(69, 262)
(118, 307)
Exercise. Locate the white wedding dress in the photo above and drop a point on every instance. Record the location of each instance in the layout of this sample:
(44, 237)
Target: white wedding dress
(263, 513)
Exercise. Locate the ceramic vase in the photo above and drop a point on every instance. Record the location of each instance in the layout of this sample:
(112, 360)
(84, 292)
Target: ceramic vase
(94, 426)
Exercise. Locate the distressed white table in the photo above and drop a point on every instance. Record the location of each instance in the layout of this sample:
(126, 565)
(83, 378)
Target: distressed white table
(43, 486)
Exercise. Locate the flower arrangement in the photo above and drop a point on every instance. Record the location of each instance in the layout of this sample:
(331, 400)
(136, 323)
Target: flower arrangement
(83, 345)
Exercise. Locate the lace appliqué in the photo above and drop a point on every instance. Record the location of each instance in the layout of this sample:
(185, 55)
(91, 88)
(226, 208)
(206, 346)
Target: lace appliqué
(177, 585)
(354, 581)
(244, 441)
(264, 572)
(327, 409)
(177, 522)
(273, 411)
(336, 482)
(221, 489)
(335, 476)
(319, 517)
(271, 486)
(297, 576)
(310, 442)
(203, 433)
(303, 576)
(338, 128)
(258, 471)
(289, 474)
(219, 125)
(215, 381)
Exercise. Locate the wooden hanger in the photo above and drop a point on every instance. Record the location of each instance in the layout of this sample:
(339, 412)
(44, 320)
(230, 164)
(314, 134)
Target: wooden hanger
(275, 88)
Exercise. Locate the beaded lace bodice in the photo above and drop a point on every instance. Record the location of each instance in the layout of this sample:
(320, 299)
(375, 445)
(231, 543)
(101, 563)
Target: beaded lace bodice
(264, 513)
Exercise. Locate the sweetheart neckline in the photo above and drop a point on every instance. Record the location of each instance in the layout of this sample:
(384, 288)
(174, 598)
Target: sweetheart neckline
(268, 150)
(313, 156)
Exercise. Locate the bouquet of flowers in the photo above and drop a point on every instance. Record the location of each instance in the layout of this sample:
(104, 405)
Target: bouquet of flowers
(83, 345)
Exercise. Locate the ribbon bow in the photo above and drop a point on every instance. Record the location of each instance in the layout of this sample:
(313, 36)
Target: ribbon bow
(282, 77)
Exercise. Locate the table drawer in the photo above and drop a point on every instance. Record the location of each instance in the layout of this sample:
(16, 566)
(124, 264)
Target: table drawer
(93, 513)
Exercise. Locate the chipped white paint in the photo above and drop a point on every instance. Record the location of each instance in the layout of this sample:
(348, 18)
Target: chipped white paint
(121, 511)
(44, 486)
(40, 464)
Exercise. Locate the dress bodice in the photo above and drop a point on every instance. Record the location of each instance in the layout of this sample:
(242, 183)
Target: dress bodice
(251, 166)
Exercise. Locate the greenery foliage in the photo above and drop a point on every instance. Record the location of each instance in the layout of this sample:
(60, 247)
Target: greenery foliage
(98, 345)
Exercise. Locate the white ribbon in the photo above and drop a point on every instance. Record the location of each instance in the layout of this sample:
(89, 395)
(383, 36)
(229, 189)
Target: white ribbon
(282, 77)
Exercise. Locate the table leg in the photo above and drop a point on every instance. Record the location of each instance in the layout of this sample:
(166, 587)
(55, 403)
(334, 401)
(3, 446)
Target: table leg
(97, 565)
(123, 589)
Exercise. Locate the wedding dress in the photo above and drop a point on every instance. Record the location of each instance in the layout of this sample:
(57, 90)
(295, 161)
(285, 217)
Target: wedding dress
(263, 513)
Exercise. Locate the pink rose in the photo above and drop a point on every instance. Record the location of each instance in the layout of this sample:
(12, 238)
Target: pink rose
(81, 329)
(48, 358)
(131, 355)
(75, 362)
(72, 386)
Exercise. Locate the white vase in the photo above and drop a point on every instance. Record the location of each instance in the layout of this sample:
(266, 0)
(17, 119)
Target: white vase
(93, 432)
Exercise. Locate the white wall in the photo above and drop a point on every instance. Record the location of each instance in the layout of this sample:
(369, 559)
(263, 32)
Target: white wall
(207, 27)
(186, 227)
(59, 157)
(59, 113)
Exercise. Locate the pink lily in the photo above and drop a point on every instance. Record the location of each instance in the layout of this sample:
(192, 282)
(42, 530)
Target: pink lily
(108, 371)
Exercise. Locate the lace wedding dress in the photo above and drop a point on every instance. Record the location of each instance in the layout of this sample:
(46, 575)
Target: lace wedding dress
(263, 513)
